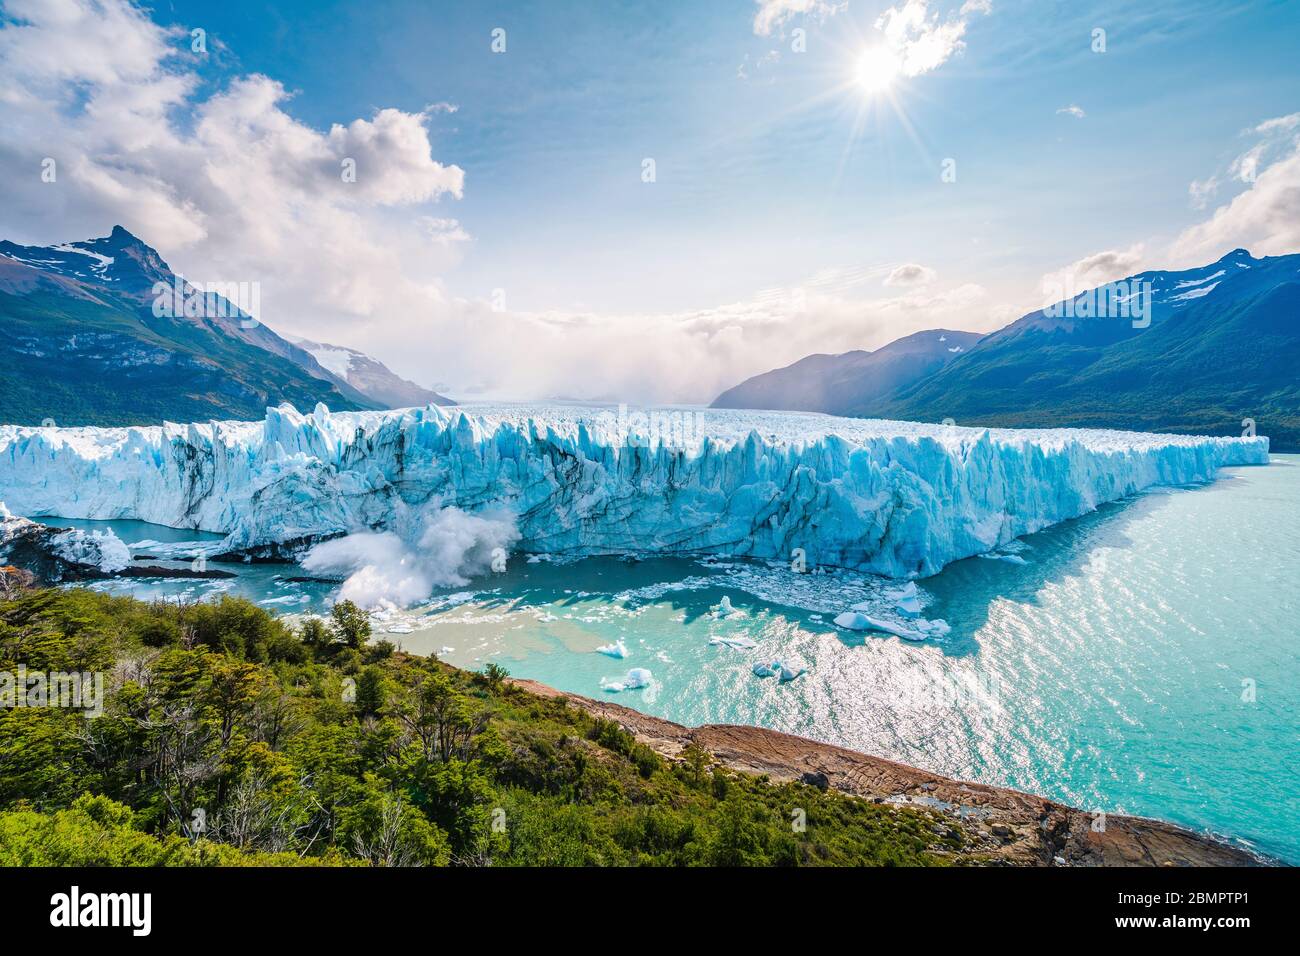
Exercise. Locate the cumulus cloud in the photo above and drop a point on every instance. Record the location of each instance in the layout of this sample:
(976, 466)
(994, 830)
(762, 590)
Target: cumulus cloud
(229, 186)
(774, 14)
(1265, 218)
(1092, 271)
(911, 274)
(920, 39)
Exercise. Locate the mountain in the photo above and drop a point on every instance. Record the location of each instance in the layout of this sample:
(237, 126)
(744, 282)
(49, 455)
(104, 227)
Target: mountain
(1207, 348)
(852, 382)
(370, 376)
(1222, 345)
(84, 343)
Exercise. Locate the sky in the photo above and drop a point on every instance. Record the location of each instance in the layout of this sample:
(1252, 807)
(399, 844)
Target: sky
(640, 202)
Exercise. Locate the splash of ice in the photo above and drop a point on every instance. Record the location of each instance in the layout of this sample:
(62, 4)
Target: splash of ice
(441, 547)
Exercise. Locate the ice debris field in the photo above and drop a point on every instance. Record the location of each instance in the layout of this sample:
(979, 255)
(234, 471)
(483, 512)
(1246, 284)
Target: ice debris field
(427, 497)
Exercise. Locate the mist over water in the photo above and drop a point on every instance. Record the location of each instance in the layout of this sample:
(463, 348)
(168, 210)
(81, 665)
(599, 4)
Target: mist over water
(1143, 659)
(435, 547)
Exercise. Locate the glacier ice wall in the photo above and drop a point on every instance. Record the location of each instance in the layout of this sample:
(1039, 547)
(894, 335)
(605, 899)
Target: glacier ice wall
(896, 498)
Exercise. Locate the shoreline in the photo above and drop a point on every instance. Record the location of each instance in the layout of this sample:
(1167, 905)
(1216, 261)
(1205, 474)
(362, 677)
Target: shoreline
(1015, 828)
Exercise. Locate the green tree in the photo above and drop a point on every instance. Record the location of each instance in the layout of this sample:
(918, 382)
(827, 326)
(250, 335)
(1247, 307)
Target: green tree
(351, 625)
(314, 633)
(370, 692)
(494, 675)
(698, 760)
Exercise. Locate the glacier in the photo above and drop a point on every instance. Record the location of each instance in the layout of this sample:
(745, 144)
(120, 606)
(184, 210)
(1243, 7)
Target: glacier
(898, 499)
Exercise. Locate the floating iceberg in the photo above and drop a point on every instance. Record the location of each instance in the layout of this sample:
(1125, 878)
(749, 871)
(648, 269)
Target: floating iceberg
(741, 642)
(907, 600)
(918, 630)
(635, 679)
(779, 669)
(894, 498)
(1008, 558)
(853, 621)
(724, 609)
(617, 649)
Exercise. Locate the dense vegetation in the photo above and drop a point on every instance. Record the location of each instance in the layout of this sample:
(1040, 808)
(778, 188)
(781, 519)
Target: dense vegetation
(228, 737)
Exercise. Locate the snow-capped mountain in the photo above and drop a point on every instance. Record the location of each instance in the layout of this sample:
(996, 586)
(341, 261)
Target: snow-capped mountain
(119, 260)
(85, 343)
(1218, 344)
(1192, 351)
(369, 376)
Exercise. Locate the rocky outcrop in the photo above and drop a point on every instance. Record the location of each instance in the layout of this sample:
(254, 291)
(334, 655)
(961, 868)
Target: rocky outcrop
(48, 556)
(1000, 825)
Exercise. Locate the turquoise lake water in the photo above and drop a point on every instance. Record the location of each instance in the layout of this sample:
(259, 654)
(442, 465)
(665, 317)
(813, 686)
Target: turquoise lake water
(1143, 659)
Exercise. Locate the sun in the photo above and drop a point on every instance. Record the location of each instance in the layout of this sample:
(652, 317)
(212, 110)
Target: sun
(877, 69)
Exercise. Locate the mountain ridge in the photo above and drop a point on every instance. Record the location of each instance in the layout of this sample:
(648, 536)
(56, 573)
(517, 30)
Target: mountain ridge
(91, 339)
(370, 376)
(822, 382)
(1211, 350)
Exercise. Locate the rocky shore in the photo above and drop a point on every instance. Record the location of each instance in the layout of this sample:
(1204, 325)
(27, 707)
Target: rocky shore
(1004, 825)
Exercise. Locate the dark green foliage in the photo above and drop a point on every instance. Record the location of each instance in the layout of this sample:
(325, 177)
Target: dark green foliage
(228, 739)
(370, 692)
(314, 633)
(494, 675)
(350, 624)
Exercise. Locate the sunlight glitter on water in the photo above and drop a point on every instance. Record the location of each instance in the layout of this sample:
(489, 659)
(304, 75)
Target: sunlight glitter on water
(1111, 669)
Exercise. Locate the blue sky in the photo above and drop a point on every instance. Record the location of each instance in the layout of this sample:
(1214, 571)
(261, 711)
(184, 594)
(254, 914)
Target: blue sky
(772, 166)
(763, 181)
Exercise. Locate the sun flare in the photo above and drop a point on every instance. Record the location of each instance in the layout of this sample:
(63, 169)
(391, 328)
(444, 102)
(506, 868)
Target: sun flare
(877, 69)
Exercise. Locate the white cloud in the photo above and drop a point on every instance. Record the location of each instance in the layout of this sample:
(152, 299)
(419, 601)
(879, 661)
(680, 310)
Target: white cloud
(920, 39)
(693, 356)
(1072, 110)
(1201, 191)
(1279, 124)
(774, 14)
(1265, 218)
(911, 274)
(749, 67)
(230, 186)
(227, 187)
(1093, 270)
